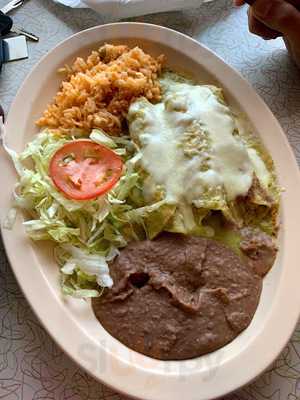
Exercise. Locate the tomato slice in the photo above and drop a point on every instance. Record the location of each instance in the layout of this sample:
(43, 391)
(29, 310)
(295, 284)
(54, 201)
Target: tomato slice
(83, 169)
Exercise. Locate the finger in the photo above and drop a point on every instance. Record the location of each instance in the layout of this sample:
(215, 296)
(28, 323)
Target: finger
(293, 50)
(258, 28)
(239, 2)
(278, 15)
(295, 3)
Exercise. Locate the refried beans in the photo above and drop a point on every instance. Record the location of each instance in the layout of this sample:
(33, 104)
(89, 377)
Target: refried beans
(178, 297)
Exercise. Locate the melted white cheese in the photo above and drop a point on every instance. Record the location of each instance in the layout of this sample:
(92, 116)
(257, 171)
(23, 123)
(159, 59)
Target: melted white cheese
(260, 169)
(187, 143)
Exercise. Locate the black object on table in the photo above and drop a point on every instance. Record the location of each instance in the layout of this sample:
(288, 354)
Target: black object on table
(6, 24)
(12, 47)
(1, 113)
(9, 7)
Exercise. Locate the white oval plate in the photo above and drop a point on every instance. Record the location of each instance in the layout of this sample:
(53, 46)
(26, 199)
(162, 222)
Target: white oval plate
(71, 322)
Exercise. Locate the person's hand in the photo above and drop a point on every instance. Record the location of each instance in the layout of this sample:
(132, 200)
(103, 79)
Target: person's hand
(273, 18)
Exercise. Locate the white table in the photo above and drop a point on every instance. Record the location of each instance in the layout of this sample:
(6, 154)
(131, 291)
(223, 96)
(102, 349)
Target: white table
(31, 365)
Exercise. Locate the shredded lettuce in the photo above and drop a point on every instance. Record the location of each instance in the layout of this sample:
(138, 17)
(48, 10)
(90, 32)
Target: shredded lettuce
(153, 218)
(101, 137)
(87, 233)
(93, 265)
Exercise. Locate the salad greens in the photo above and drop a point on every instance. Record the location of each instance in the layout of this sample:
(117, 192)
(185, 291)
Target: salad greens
(87, 233)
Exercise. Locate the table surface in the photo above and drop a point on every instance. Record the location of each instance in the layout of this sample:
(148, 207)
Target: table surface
(31, 365)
